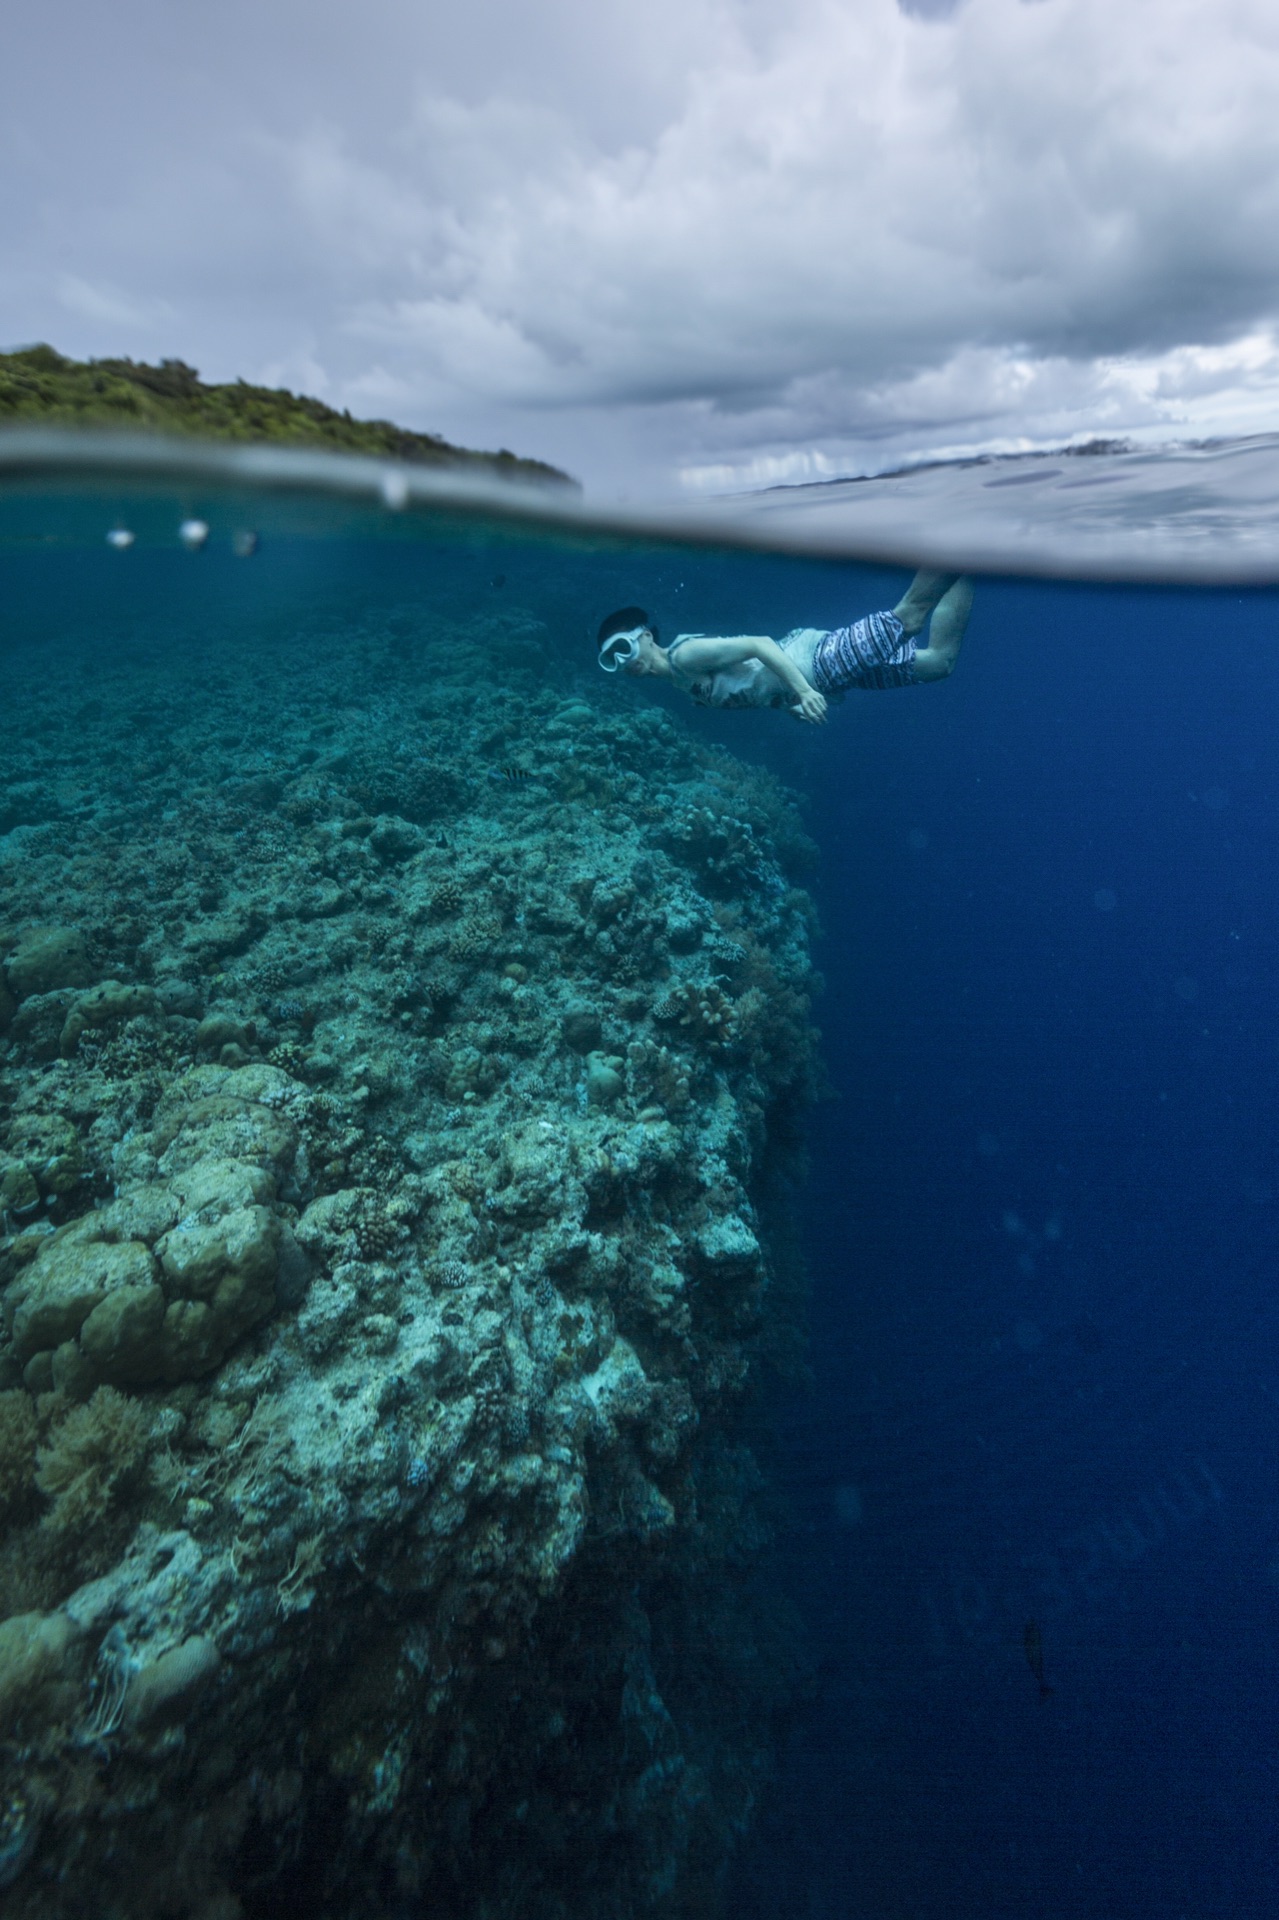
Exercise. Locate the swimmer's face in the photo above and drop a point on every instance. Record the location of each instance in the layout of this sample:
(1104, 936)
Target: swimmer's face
(650, 658)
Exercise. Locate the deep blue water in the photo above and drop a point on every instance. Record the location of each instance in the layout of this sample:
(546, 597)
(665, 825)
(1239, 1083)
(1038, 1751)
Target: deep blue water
(1043, 1232)
(1041, 1219)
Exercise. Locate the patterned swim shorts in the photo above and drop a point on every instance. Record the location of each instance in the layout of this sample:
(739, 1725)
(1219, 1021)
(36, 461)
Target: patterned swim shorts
(875, 653)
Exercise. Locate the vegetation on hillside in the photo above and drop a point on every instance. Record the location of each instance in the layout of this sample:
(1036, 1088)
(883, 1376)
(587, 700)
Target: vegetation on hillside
(39, 386)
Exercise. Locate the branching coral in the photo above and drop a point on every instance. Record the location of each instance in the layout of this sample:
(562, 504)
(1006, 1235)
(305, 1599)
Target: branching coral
(478, 938)
(705, 1012)
(447, 897)
(17, 1449)
(89, 1457)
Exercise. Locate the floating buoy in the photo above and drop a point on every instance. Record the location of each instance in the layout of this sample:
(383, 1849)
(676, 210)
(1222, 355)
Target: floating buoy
(395, 491)
(193, 534)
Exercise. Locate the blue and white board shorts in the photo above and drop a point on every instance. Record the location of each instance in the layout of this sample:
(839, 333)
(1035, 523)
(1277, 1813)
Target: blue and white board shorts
(874, 654)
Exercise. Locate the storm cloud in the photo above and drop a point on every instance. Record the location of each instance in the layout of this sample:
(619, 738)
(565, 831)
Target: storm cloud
(705, 243)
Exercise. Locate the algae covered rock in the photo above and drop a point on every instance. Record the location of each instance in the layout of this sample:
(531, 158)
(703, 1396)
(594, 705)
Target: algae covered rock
(225, 1114)
(45, 959)
(580, 1025)
(220, 1281)
(120, 1340)
(48, 1147)
(139, 1316)
(96, 1305)
(36, 1027)
(218, 1030)
(35, 1655)
(605, 1080)
(109, 1000)
(535, 1176)
(18, 1190)
(329, 1228)
(165, 1687)
(68, 1279)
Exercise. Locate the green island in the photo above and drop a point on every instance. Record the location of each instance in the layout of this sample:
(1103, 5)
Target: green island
(39, 386)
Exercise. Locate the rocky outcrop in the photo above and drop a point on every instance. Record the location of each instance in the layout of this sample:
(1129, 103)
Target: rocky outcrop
(389, 1244)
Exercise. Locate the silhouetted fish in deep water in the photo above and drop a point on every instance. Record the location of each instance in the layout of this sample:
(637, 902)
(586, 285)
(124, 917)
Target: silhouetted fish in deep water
(1033, 1641)
(499, 579)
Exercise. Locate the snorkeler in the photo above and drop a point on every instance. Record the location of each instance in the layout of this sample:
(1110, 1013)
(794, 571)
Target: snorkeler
(810, 665)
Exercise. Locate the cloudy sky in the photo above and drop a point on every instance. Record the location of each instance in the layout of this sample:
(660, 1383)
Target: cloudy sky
(686, 245)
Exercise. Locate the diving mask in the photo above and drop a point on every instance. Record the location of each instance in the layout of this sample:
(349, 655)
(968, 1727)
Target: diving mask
(621, 648)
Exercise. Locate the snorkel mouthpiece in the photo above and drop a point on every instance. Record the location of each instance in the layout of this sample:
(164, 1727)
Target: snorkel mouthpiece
(620, 649)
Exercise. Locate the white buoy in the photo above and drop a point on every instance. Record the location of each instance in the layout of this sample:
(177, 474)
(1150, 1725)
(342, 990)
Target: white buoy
(120, 538)
(193, 534)
(395, 491)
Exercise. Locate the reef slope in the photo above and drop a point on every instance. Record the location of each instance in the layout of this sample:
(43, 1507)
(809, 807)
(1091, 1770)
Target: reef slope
(399, 1097)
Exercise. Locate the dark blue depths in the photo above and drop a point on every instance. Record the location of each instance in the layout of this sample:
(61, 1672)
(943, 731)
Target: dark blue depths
(1043, 1230)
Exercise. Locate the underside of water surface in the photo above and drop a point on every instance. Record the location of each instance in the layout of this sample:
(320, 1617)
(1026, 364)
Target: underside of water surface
(407, 1077)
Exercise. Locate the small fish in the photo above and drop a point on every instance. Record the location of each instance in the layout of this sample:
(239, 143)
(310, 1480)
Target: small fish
(512, 773)
(120, 538)
(499, 580)
(1033, 1641)
(244, 543)
(193, 534)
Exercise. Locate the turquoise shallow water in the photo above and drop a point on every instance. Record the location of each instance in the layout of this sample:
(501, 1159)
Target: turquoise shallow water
(482, 1429)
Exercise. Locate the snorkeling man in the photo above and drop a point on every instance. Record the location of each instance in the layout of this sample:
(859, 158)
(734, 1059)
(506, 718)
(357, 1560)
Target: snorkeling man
(810, 665)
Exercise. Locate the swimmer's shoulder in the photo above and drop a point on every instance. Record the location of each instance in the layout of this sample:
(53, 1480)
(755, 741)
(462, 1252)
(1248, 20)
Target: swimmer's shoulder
(682, 640)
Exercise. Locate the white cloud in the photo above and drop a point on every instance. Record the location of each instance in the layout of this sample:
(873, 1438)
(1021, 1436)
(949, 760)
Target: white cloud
(896, 224)
(729, 238)
(299, 369)
(109, 305)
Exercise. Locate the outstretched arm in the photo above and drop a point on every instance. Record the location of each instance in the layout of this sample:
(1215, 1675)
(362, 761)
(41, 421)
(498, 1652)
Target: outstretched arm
(706, 654)
(809, 704)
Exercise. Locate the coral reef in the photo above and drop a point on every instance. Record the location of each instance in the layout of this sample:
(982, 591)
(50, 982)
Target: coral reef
(393, 1169)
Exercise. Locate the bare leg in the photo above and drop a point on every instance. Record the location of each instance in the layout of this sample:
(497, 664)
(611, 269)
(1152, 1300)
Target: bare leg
(946, 634)
(920, 597)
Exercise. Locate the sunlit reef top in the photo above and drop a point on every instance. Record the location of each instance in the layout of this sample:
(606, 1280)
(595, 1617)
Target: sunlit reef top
(40, 387)
(1206, 513)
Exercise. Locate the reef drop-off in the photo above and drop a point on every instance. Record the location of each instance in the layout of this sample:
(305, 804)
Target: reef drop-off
(394, 1160)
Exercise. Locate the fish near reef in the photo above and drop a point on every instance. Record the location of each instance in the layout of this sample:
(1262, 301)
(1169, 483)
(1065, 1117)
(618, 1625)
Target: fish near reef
(512, 773)
(1033, 1642)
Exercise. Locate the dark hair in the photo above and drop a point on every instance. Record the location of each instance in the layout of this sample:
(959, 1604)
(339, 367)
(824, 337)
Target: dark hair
(623, 621)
